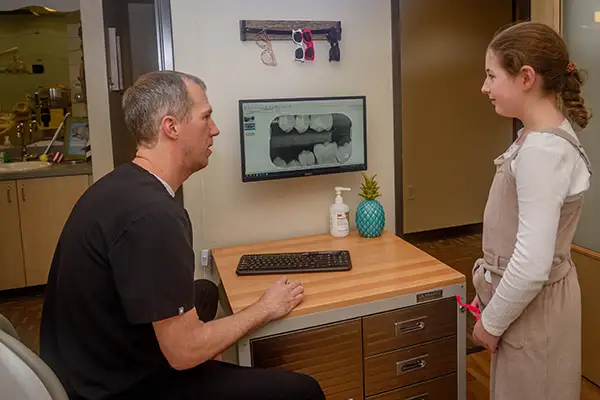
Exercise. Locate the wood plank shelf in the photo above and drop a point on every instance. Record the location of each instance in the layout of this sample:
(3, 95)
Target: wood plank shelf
(282, 30)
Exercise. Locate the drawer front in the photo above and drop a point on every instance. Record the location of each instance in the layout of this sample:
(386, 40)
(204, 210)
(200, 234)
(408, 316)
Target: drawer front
(409, 366)
(440, 388)
(331, 354)
(409, 326)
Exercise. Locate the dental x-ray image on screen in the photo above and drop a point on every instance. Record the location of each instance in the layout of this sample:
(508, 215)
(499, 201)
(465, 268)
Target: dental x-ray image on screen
(283, 138)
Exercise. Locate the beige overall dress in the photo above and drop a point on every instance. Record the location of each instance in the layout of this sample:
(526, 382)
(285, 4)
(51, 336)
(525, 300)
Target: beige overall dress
(539, 355)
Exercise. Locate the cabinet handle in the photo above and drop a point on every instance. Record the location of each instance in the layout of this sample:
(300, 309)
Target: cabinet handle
(408, 326)
(8, 195)
(423, 396)
(23, 192)
(413, 364)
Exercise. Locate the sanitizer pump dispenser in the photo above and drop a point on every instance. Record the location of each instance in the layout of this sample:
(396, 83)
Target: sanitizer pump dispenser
(339, 219)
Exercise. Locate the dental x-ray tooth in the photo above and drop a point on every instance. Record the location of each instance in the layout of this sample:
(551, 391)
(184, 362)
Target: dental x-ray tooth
(321, 123)
(327, 122)
(316, 123)
(278, 161)
(343, 153)
(287, 122)
(306, 158)
(325, 152)
(302, 123)
(294, 163)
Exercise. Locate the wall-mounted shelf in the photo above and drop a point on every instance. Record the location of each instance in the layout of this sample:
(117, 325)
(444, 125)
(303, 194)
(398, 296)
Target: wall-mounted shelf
(282, 30)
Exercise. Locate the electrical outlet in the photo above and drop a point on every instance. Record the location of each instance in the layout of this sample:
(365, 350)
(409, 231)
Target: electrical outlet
(411, 192)
(205, 258)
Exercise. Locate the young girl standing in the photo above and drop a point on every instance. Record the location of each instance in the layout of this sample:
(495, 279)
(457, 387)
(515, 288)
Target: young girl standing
(526, 282)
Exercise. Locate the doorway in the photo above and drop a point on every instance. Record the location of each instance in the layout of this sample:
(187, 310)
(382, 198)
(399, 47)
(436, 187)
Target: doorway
(139, 39)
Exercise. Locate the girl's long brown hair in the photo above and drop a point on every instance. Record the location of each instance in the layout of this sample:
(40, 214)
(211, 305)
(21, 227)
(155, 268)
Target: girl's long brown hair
(540, 47)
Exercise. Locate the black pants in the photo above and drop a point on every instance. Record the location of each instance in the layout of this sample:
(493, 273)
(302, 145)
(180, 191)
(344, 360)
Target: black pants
(217, 380)
(207, 299)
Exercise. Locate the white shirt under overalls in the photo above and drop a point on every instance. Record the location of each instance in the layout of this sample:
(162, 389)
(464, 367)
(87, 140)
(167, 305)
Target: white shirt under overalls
(548, 170)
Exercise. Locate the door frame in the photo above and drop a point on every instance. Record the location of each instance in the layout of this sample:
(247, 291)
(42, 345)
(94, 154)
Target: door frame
(166, 58)
(164, 34)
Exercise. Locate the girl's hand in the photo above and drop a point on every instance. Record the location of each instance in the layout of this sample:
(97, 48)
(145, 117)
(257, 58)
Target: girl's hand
(474, 303)
(486, 339)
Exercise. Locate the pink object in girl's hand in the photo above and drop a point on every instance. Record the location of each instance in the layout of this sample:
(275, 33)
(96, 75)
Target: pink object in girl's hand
(476, 310)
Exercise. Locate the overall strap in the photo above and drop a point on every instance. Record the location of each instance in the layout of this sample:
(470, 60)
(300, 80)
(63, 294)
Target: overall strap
(574, 142)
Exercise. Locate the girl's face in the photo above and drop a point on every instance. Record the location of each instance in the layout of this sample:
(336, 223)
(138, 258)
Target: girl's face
(504, 90)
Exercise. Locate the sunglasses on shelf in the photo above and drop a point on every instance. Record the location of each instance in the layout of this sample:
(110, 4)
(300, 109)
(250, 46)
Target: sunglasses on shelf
(305, 49)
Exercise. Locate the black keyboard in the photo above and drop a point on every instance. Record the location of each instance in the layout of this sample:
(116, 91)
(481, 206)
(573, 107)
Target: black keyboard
(293, 263)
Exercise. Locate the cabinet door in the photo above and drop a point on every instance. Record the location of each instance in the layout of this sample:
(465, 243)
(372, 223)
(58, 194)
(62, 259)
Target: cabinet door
(331, 354)
(588, 269)
(45, 205)
(12, 272)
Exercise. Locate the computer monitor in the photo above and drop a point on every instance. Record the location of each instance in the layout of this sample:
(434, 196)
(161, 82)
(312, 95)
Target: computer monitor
(285, 138)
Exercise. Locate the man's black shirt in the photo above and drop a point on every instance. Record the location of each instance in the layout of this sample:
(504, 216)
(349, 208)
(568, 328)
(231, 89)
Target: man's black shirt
(124, 260)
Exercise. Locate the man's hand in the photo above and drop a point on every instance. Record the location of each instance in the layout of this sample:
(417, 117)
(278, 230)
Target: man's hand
(281, 298)
(186, 341)
(485, 338)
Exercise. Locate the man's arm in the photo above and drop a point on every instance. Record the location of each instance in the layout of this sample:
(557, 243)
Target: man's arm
(187, 342)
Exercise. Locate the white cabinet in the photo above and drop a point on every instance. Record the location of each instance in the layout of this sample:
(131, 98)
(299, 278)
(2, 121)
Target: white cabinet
(33, 213)
(12, 269)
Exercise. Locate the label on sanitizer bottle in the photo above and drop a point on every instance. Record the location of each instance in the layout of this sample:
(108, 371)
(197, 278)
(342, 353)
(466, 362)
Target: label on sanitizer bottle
(342, 223)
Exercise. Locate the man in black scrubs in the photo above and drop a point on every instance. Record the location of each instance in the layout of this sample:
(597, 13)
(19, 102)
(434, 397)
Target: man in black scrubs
(123, 317)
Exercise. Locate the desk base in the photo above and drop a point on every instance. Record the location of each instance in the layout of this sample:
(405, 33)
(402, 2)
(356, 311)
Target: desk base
(332, 346)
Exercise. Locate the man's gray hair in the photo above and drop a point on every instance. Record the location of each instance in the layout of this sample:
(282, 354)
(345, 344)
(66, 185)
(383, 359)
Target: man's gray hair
(154, 96)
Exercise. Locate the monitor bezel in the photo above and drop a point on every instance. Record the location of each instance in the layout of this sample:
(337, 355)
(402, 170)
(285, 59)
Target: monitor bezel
(302, 172)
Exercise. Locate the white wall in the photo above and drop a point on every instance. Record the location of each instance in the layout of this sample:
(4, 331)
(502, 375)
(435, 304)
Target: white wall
(224, 210)
(94, 54)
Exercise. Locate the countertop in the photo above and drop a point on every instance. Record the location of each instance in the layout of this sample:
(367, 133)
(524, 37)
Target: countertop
(65, 169)
(382, 267)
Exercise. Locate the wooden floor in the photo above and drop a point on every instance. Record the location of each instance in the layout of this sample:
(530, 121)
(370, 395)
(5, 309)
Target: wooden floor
(25, 313)
(478, 379)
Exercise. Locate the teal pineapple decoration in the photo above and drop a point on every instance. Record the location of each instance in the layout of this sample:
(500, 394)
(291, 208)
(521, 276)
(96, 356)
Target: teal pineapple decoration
(370, 216)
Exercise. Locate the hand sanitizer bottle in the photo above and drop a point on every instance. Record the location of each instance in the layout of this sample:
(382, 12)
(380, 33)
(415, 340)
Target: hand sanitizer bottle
(339, 219)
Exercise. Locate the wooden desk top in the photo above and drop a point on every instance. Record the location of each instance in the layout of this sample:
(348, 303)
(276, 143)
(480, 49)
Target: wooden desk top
(382, 267)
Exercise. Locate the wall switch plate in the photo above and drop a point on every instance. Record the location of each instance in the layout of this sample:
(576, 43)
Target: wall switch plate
(411, 192)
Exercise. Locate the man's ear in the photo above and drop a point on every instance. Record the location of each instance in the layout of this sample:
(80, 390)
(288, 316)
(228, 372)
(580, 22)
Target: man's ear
(528, 77)
(170, 127)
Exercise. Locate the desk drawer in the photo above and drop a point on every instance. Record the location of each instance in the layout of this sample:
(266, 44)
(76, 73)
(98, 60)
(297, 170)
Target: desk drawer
(331, 354)
(435, 389)
(408, 366)
(409, 326)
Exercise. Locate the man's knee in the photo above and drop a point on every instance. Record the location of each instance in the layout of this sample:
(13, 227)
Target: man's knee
(207, 289)
(306, 387)
(207, 299)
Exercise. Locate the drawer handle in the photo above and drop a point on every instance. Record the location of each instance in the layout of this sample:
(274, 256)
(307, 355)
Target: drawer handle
(8, 195)
(423, 396)
(414, 364)
(409, 326)
(23, 192)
